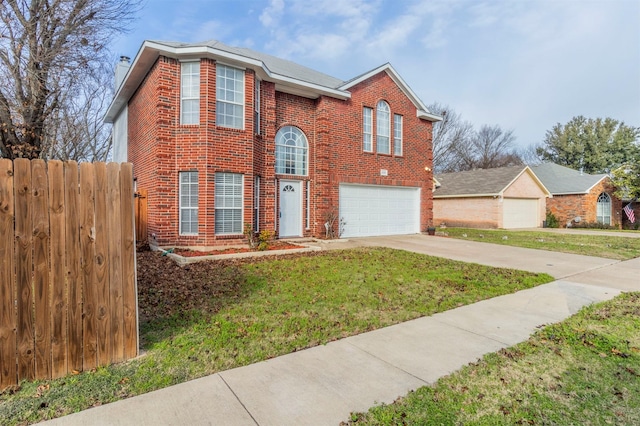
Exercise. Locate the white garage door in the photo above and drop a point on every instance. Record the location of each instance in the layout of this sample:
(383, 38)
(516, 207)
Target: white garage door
(370, 210)
(520, 213)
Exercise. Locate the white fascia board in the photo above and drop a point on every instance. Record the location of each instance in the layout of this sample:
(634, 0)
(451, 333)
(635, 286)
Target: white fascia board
(422, 111)
(570, 193)
(428, 116)
(466, 195)
(150, 51)
(599, 180)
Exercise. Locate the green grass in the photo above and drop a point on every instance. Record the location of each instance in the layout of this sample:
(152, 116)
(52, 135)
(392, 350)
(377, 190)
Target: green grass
(583, 371)
(620, 248)
(282, 305)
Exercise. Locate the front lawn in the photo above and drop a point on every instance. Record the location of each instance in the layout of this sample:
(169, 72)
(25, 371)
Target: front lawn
(213, 316)
(583, 371)
(620, 248)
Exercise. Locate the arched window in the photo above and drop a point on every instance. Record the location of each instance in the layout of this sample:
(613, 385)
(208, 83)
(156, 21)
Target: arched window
(291, 151)
(383, 127)
(603, 209)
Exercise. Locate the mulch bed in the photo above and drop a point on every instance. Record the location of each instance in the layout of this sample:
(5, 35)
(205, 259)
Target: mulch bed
(274, 245)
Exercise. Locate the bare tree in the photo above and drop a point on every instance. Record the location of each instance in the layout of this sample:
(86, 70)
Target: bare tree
(529, 155)
(450, 137)
(47, 49)
(493, 147)
(80, 130)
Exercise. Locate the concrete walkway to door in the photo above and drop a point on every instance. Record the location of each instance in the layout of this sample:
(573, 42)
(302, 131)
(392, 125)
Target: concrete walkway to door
(324, 384)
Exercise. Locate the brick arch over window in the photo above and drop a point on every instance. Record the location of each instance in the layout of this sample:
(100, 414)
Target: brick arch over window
(291, 151)
(603, 209)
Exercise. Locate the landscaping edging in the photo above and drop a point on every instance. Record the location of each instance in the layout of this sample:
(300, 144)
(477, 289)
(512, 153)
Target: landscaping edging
(182, 260)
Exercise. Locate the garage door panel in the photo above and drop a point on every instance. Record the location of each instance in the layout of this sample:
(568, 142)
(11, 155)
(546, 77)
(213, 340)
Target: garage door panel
(379, 210)
(520, 213)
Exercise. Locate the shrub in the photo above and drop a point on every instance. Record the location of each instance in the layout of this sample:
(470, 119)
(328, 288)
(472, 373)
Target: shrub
(552, 220)
(264, 238)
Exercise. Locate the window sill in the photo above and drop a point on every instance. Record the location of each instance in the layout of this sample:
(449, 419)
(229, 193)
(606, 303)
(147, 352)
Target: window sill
(229, 236)
(230, 129)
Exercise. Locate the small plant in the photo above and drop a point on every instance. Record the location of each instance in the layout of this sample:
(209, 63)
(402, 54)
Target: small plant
(552, 220)
(592, 225)
(333, 221)
(264, 238)
(251, 236)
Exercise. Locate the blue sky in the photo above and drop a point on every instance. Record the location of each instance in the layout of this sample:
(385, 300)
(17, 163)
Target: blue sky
(521, 64)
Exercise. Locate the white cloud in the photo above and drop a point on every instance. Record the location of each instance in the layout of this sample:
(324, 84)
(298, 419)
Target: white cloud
(270, 16)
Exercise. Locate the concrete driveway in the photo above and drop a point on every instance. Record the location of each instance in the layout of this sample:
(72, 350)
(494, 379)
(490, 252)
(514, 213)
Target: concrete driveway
(558, 265)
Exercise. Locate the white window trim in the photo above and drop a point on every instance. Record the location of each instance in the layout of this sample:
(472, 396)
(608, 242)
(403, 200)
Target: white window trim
(302, 150)
(366, 123)
(398, 130)
(256, 106)
(379, 133)
(189, 98)
(256, 204)
(181, 209)
(608, 204)
(307, 194)
(241, 104)
(230, 208)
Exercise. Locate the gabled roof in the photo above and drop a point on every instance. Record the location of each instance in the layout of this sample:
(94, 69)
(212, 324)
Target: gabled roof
(562, 180)
(288, 76)
(481, 182)
(423, 111)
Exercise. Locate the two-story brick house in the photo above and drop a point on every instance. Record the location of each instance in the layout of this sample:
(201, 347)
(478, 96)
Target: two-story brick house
(222, 137)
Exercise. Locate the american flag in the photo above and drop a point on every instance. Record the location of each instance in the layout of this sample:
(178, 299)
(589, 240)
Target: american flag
(630, 214)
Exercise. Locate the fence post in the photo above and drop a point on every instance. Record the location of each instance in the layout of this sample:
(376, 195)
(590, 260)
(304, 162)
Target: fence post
(8, 315)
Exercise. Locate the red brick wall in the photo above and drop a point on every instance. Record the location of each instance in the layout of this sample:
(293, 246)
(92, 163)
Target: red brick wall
(160, 147)
(567, 207)
(341, 158)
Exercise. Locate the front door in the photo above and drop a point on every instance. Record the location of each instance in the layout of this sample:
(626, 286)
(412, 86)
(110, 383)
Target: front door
(290, 209)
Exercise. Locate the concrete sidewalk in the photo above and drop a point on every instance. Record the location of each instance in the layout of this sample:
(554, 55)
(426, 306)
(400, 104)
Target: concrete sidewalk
(323, 385)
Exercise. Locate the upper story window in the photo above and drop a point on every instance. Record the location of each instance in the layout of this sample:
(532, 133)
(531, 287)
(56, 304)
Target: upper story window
(256, 106)
(229, 97)
(291, 151)
(603, 209)
(190, 93)
(383, 128)
(367, 129)
(397, 134)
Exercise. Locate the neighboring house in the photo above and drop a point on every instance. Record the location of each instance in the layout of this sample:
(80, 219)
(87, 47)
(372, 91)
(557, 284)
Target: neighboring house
(579, 197)
(504, 197)
(224, 137)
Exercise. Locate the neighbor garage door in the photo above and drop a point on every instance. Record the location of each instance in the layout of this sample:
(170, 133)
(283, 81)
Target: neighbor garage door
(370, 210)
(520, 213)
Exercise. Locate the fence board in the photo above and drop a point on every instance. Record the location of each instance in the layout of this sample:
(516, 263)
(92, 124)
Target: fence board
(141, 215)
(59, 360)
(73, 258)
(100, 265)
(68, 299)
(8, 373)
(87, 248)
(41, 234)
(129, 292)
(114, 225)
(23, 259)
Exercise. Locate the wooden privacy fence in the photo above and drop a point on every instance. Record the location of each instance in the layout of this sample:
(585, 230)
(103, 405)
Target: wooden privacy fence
(68, 298)
(141, 215)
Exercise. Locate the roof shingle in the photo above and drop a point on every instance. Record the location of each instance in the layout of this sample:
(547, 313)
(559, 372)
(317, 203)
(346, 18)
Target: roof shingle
(476, 182)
